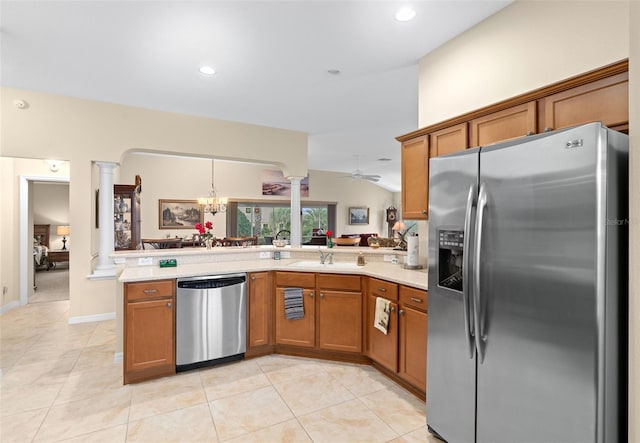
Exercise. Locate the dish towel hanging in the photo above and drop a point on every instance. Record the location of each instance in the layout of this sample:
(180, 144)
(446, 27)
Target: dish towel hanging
(381, 320)
(293, 303)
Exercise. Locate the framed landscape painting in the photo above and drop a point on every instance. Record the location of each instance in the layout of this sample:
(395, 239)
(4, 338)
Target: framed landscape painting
(358, 216)
(179, 214)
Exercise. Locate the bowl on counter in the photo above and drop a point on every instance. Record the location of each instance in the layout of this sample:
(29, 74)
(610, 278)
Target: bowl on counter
(348, 241)
(279, 243)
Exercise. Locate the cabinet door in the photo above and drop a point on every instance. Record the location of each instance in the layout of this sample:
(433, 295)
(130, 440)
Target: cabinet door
(605, 100)
(413, 346)
(299, 332)
(259, 327)
(448, 140)
(516, 121)
(340, 320)
(149, 338)
(415, 179)
(383, 348)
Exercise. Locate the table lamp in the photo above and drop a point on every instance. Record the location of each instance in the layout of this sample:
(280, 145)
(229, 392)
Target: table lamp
(401, 229)
(63, 231)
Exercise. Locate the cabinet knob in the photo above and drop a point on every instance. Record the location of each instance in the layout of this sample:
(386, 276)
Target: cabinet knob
(253, 278)
(529, 133)
(401, 311)
(169, 305)
(548, 129)
(382, 289)
(424, 212)
(416, 299)
(311, 294)
(321, 295)
(392, 309)
(150, 291)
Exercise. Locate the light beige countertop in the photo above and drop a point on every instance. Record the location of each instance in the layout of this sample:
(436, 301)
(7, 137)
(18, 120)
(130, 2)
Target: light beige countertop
(194, 262)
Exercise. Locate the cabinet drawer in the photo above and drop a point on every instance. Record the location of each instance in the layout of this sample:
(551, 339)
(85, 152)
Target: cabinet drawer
(296, 279)
(381, 288)
(149, 289)
(413, 297)
(339, 281)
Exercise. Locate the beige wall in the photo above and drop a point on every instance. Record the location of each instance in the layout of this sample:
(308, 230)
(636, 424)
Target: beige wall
(190, 178)
(525, 46)
(84, 131)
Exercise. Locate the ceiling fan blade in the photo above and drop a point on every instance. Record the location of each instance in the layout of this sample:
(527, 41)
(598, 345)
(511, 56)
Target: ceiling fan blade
(371, 178)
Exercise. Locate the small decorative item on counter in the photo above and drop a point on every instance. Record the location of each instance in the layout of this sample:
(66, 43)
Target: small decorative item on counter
(205, 233)
(329, 235)
(360, 259)
(373, 242)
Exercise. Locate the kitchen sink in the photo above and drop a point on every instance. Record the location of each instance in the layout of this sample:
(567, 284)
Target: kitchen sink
(316, 264)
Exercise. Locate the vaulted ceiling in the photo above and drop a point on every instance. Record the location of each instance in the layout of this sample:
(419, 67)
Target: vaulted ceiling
(272, 62)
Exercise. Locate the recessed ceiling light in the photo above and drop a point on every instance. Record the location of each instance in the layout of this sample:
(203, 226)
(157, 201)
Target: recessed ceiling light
(207, 70)
(333, 71)
(405, 14)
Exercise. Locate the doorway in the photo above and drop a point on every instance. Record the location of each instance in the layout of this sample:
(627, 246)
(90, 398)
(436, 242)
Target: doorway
(27, 187)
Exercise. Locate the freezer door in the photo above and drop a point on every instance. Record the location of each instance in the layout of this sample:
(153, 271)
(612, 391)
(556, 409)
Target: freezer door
(537, 366)
(450, 350)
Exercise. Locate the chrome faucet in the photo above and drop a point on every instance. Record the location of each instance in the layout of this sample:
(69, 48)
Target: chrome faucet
(324, 256)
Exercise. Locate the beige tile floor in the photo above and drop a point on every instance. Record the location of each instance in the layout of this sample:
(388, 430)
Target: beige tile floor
(59, 383)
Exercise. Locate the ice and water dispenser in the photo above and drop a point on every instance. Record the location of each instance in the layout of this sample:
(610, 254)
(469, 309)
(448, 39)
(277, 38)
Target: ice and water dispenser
(450, 251)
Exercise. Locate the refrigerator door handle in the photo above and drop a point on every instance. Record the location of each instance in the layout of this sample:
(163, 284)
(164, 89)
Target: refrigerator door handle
(466, 282)
(477, 296)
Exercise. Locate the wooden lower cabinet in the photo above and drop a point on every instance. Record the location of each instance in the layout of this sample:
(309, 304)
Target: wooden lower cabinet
(300, 332)
(332, 312)
(149, 330)
(259, 310)
(413, 347)
(339, 312)
(382, 348)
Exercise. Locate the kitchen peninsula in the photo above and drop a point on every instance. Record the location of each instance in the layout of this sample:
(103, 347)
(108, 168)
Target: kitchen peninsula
(339, 305)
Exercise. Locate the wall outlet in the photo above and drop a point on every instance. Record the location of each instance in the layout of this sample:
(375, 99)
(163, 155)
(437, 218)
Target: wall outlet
(145, 261)
(265, 254)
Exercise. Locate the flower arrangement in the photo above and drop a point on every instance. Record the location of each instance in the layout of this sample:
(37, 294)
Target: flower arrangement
(205, 233)
(329, 235)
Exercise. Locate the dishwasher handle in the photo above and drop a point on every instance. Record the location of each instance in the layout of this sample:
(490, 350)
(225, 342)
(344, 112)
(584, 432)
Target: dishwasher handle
(212, 282)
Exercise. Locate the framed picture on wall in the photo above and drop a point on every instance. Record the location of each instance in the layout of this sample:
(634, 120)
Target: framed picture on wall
(358, 216)
(179, 214)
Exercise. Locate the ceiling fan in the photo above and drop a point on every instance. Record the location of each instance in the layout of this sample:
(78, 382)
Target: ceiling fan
(359, 175)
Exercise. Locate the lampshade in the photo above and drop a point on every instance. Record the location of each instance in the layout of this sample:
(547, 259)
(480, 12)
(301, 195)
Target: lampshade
(399, 226)
(62, 230)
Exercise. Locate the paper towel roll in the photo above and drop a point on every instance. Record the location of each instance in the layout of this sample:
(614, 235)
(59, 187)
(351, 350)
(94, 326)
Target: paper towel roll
(413, 250)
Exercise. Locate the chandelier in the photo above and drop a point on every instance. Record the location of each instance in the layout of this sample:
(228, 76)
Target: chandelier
(213, 204)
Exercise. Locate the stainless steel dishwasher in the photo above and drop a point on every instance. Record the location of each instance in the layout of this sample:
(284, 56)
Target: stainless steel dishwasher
(211, 320)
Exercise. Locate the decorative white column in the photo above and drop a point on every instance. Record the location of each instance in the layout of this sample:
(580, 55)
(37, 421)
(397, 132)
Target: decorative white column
(296, 229)
(106, 267)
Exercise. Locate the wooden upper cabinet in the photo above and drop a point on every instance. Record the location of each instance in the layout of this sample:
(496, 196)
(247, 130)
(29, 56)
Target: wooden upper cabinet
(448, 140)
(605, 100)
(415, 178)
(513, 122)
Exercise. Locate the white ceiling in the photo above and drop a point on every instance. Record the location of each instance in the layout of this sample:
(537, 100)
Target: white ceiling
(271, 60)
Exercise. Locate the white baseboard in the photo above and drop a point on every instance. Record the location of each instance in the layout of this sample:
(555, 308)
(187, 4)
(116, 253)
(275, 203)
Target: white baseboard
(92, 318)
(9, 306)
(118, 357)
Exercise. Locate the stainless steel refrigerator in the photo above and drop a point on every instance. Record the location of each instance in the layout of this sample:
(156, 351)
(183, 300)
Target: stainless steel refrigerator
(528, 290)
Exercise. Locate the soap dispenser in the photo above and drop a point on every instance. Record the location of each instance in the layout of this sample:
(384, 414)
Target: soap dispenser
(361, 259)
